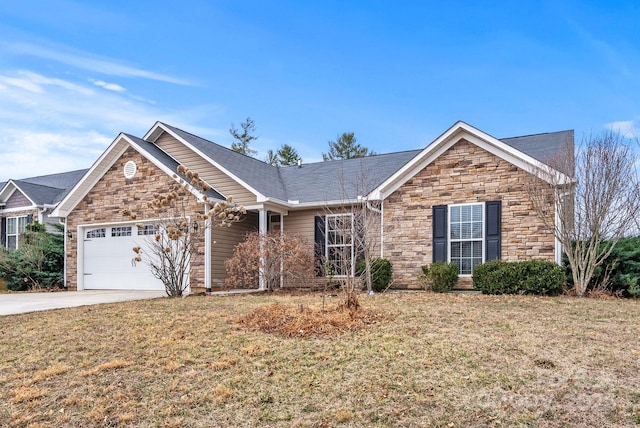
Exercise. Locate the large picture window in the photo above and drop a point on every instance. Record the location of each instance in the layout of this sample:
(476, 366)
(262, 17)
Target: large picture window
(339, 246)
(466, 236)
(15, 227)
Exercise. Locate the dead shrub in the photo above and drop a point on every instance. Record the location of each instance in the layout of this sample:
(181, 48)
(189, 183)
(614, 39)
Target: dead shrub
(306, 322)
(284, 259)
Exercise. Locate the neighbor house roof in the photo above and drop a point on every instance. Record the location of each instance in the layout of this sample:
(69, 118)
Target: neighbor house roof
(46, 189)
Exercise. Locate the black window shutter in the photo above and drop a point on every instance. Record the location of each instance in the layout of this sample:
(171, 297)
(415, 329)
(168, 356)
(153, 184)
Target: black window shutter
(493, 236)
(3, 232)
(439, 233)
(318, 238)
(30, 219)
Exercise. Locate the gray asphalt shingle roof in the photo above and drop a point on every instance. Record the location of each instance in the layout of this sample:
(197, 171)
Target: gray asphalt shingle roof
(341, 179)
(310, 182)
(259, 175)
(542, 147)
(49, 189)
(167, 161)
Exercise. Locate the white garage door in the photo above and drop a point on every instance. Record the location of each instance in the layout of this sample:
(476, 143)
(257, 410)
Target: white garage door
(108, 260)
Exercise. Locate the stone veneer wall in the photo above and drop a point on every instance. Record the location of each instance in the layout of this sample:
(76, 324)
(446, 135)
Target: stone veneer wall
(113, 192)
(463, 174)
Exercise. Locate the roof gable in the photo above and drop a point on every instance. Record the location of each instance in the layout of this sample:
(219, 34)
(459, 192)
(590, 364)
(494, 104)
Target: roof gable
(463, 131)
(37, 193)
(42, 190)
(12, 196)
(117, 148)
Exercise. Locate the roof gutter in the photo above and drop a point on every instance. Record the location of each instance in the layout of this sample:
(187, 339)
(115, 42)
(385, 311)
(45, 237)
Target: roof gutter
(296, 204)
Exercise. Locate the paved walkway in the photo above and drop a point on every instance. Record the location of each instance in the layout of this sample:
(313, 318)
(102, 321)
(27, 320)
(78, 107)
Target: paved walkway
(19, 303)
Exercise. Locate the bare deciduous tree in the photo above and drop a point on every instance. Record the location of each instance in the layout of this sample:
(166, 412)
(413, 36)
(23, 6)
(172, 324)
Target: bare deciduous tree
(171, 244)
(589, 214)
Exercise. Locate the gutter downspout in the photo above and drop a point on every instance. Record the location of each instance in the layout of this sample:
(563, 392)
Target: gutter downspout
(381, 212)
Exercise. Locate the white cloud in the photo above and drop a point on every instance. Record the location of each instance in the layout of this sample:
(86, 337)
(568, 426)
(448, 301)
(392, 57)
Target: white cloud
(87, 61)
(30, 153)
(17, 82)
(52, 125)
(626, 128)
(108, 86)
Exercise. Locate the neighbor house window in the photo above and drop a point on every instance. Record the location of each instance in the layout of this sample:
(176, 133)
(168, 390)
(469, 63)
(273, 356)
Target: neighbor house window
(466, 236)
(339, 246)
(15, 226)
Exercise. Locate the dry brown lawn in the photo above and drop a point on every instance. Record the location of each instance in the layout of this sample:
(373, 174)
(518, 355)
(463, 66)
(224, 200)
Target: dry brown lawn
(418, 360)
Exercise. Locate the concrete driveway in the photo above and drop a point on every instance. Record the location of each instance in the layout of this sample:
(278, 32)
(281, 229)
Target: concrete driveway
(19, 303)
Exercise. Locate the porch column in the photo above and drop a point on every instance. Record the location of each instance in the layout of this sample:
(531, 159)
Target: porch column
(281, 260)
(262, 216)
(208, 231)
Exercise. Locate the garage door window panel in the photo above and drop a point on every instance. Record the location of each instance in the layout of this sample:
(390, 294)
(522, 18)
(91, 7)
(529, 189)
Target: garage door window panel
(97, 233)
(120, 231)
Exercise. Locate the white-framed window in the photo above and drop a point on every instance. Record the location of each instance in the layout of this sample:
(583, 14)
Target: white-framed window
(466, 236)
(339, 245)
(15, 227)
(120, 231)
(97, 233)
(148, 229)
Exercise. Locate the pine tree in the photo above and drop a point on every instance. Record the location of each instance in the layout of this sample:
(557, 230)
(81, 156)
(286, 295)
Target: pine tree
(346, 147)
(241, 145)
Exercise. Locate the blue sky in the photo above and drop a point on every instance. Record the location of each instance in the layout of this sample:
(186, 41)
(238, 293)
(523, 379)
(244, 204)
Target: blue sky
(398, 74)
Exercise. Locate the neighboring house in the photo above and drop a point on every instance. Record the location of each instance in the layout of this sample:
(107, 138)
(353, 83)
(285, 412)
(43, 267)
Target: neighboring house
(460, 199)
(28, 199)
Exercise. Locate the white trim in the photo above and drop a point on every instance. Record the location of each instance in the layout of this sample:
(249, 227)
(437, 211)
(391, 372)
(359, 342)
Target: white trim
(80, 258)
(153, 135)
(207, 249)
(352, 245)
(18, 209)
(15, 187)
(100, 168)
(482, 240)
(262, 227)
(382, 229)
(306, 205)
(90, 178)
(17, 234)
(64, 259)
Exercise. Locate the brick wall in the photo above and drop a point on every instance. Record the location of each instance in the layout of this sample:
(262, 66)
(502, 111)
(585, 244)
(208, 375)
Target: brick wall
(464, 174)
(113, 192)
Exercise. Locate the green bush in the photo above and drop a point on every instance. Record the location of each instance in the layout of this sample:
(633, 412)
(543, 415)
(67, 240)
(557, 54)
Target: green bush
(381, 272)
(620, 271)
(37, 263)
(440, 277)
(529, 277)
